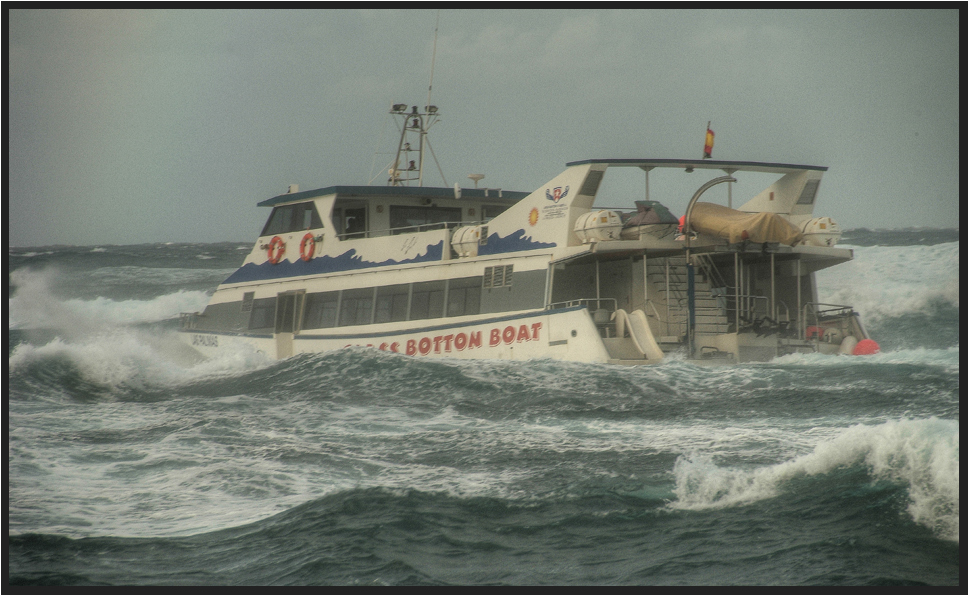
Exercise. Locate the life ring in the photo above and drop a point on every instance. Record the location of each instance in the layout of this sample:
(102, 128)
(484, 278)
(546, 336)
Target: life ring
(813, 332)
(307, 247)
(276, 249)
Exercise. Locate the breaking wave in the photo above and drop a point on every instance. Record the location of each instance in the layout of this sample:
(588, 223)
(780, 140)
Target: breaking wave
(921, 455)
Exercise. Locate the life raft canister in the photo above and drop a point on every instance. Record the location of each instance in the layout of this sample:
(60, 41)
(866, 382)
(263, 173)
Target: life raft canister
(307, 247)
(276, 249)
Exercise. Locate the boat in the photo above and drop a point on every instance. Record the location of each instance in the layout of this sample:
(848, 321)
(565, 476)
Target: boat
(494, 274)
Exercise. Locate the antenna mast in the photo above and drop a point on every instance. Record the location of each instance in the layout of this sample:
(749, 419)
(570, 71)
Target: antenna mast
(415, 123)
(427, 106)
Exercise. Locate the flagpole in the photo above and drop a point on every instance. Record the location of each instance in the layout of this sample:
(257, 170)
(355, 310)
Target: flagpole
(705, 133)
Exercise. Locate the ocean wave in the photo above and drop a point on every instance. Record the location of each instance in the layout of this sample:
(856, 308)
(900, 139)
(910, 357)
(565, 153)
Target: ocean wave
(889, 281)
(922, 455)
(35, 305)
(123, 359)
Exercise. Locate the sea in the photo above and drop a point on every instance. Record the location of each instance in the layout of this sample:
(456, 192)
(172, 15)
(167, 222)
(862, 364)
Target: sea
(132, 463)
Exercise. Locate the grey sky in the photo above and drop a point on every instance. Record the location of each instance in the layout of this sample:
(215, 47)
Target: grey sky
(153, 126)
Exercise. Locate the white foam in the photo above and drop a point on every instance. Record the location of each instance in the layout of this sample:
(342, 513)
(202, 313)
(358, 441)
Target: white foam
(948, 359)
(884, 281)
(35, 305)
(96, 335)
(120, 357)
(921, 454)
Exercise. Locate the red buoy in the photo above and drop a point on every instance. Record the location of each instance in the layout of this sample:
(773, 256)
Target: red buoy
(866, 347)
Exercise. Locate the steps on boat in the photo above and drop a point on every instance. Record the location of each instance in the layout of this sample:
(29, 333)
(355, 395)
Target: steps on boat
(669, 276)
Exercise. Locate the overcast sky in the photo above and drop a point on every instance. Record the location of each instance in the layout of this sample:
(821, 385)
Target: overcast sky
(155, 126)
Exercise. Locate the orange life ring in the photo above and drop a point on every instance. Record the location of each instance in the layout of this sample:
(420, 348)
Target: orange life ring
(276, 249)
(307, 248)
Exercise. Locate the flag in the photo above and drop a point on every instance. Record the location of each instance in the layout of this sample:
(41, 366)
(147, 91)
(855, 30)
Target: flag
(708, 146)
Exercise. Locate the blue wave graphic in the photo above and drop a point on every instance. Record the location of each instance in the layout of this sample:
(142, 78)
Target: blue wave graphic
(514, 242)
(348, 261)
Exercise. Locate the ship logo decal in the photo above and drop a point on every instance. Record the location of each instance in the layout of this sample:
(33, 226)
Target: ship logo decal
(557, 194)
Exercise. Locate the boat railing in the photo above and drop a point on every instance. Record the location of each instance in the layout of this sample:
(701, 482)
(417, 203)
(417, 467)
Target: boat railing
(441, 225)
(674, 326)
(189, 320)
(709, 269)
(597, 303)
(601, 309)
(817, 315)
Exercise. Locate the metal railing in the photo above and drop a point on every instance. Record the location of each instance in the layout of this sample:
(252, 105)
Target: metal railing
(820, 313)
(441, 225)
(587, 302)
(189, 320)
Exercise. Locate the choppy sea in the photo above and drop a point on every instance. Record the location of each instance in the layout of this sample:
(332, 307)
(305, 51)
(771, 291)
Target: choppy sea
(131, 464)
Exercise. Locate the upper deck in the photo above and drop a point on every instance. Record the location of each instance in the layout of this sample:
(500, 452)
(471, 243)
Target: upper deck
(347, 228)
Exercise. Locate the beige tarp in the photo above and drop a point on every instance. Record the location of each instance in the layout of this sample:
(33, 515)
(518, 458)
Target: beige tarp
(731, 224)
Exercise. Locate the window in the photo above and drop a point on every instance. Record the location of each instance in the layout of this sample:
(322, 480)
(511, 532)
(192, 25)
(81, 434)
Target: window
(291, 218)
(497, 277)
(591, 184)
(427, 301)
(263, 313)
(351, 222)
(392, 304)
(809, 192)
(356, 307)
(247, 301)
(464, 296)
(288, 307)
(418, 219)
(488, 212)
(320, 310)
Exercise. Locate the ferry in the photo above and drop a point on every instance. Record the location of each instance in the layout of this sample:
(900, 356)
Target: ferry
(486, 273)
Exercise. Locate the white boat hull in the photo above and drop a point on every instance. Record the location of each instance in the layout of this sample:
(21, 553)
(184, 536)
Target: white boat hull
(566, 334)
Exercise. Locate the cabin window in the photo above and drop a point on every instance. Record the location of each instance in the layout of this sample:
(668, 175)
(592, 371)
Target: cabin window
(292, 218)
(356, 307)
(427, 301)
(488, 212)
(247, 301)
(263, 313)
(288, 307)
(320, 310)
(351, 222)
(392, 304)
(404, 219)
(464, 296)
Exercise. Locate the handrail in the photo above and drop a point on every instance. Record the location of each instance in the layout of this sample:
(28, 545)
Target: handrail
(189, 320)
(667, 321)
(403, 229)
(582, 301)
(709, 267)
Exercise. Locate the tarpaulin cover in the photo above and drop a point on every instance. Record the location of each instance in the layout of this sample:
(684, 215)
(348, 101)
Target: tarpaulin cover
(724, 222)
(649, 212)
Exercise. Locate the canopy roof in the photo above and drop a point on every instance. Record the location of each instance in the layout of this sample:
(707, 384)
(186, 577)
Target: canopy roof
(702, 164)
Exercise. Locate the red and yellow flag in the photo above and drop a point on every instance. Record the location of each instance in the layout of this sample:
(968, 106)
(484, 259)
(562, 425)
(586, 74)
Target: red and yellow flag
(708, 146)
